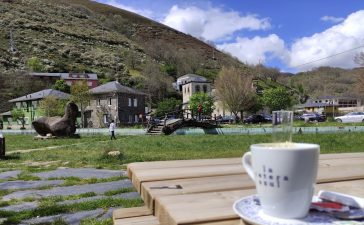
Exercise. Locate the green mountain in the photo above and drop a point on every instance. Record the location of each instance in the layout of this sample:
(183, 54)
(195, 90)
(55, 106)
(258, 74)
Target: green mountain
(85, 36)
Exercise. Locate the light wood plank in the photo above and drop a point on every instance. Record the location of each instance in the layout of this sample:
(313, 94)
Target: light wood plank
(217, 206)
(131, 212)
(142, 220)
(195, 185)
(181, 173)
(342, 155)
(132, 167)
(202, 162)
(328, 172)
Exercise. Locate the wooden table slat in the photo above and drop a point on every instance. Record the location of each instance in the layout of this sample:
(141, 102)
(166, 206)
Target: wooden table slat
(217, 206)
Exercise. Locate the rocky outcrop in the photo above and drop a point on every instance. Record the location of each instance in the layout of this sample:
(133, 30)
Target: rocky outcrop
(58, 126)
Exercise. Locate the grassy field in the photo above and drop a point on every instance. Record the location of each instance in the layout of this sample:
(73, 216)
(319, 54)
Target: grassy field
(92, 151)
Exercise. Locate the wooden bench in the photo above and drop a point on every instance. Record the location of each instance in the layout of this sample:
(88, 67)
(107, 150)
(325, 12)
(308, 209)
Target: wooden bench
(210, 187)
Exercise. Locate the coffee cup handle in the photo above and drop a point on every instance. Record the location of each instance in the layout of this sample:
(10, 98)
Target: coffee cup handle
(247, 163)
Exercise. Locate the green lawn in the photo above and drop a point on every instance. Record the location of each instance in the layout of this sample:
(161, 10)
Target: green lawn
(92, 151)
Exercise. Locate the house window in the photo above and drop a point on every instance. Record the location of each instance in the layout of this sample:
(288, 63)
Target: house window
(205, 88)
(89, 83)
(188, 90)
(136, 118)
(110, 101)
(130, 118)
(135, 102)
(197, 88)
(18, 105)
(69, 83)
(129, 101)
(34, 104)
(105, 117)
(98, 102)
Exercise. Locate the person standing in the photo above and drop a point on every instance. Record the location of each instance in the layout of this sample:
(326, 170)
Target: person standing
(199, 110)
(112, 130)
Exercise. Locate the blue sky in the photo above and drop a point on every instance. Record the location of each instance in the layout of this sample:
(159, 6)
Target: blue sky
(281, 33)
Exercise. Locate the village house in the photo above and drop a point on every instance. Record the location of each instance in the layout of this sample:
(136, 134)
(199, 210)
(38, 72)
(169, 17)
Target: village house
(113, 101)
(29, 104)
(330, 105)
(69, 78)
(190, 84)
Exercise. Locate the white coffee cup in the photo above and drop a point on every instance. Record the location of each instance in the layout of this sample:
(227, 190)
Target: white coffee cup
(284, 175)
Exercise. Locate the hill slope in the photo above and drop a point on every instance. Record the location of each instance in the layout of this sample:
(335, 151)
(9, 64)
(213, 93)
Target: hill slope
(82, 35)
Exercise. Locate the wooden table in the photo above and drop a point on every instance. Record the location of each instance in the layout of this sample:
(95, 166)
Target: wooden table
(211, 186)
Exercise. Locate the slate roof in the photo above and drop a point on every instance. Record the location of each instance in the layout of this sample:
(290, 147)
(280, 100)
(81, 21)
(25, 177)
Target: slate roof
(42, 94)
(190, 78)
(114, 86)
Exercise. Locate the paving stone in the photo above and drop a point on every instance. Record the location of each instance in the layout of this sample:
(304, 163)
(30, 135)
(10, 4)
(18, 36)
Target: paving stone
(108, 214)
(98, 188)
(29, 184)
(71, 219)
(80, 172)
(9, 174)
(20, 207)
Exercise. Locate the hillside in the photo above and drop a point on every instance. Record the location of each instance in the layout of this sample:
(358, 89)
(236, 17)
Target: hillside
(82, 35)
(326, 81)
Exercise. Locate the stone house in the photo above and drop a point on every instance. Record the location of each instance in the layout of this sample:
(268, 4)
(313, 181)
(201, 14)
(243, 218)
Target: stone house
(113, 101)
(190, 84)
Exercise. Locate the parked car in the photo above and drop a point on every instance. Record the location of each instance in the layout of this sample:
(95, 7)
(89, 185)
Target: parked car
(257, 119)
(313, 117)
(226, 119)
(353, 117)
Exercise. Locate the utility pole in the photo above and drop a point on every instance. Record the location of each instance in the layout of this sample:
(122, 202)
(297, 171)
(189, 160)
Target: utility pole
(11, 42)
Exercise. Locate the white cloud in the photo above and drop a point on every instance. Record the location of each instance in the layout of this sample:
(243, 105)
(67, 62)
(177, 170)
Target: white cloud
(332, 19)
(213, 23)
(342, 37)
(257, 49)
(143, 12)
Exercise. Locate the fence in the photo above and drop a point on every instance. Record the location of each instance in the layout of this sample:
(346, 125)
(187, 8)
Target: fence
(194, 131)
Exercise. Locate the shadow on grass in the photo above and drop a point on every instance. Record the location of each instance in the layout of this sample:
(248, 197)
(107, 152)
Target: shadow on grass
(11, 156)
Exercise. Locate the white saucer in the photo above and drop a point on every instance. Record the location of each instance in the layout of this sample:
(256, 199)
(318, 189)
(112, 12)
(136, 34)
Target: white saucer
(249, 209)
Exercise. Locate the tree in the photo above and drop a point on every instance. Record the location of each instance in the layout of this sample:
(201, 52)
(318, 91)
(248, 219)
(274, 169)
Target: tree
(60, 85)
(81, 95)
(18, 114)
(51, 106)
(276, 98)
(35, 65)
(202, 98)
(235, 90)
(167, 105)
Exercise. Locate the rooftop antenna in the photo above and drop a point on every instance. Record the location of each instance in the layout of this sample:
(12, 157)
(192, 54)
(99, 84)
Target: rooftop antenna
(11, 42)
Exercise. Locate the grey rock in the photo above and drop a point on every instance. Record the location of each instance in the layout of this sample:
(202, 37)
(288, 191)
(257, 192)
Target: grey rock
(29, 184)
(58, 126)
(20, 207)
(81, 173)
(10, 174)
(98, 188)
(71, 219)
